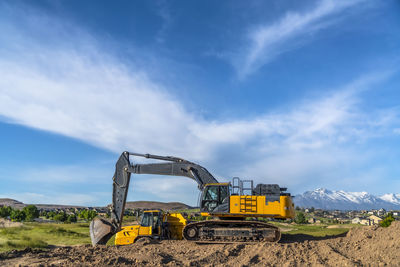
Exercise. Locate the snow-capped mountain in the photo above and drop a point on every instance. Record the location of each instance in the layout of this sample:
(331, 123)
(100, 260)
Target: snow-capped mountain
(325, 199)
(392, 198)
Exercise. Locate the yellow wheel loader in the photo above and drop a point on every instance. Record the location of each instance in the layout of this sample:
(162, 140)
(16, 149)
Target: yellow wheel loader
(155, 224)
(230, 203)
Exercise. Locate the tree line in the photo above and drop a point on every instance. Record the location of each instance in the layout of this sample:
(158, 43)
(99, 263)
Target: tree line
(30, 212)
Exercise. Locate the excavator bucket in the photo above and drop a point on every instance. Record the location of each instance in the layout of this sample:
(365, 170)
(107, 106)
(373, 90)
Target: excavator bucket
(101, 230)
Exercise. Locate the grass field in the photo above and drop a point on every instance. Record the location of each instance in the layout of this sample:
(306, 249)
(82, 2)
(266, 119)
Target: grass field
(44, 235)
(318, 230)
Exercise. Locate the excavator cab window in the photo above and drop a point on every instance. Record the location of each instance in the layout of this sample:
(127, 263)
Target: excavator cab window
(213, 196)
(212, 193)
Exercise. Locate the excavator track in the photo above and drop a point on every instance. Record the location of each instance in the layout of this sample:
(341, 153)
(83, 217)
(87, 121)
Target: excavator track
(220, 231)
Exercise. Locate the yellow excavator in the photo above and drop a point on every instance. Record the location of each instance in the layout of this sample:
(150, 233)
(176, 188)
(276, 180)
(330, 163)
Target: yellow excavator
(232, 204)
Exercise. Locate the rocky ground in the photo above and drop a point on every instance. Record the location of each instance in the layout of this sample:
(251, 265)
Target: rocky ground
(361, 246)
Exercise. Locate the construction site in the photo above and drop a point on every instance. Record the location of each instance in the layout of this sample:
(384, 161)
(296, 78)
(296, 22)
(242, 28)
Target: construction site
(240, 225)
(364, 246)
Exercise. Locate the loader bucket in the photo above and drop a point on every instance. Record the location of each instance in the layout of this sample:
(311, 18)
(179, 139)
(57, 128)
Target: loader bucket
(101, 230)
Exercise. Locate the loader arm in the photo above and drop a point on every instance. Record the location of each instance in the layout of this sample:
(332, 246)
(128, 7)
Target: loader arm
(101, 230)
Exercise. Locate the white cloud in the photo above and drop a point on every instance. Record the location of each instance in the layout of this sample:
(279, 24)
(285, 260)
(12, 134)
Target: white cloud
(86, 93)
(266, 42)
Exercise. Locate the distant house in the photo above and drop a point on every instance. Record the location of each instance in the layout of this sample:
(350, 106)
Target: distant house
(356, 220)
(313, 220)
(395, 213)
(381, 212)
(343, 220)
(366, 222)
(375, 219)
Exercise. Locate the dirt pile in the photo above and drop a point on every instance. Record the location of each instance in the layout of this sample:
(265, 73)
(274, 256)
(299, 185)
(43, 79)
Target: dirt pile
(362, 246)
(374, 244)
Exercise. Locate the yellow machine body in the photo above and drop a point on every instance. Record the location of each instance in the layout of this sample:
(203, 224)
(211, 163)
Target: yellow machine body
(171, 228)
(258, 207)
(255, 206)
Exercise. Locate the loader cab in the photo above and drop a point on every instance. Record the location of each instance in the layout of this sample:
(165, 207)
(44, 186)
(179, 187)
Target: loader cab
(215, 198)
(151, 223)
(149, 227)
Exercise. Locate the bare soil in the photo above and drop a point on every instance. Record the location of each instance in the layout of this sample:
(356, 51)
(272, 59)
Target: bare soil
(363, 246)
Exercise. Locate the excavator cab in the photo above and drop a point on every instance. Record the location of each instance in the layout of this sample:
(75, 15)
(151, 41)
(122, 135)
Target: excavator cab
(215, 197)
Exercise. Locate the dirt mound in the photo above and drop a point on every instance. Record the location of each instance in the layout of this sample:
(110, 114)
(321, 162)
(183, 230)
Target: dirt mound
(362, 246)
(374, 244)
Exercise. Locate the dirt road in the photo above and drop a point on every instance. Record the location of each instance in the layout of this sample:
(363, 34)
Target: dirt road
(362, 246)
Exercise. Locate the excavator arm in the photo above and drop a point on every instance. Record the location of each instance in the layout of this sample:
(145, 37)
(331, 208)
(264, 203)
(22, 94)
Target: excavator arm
(102, 230)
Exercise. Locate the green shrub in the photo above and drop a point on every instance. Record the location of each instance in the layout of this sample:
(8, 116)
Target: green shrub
(17, 215)
(300, 218)
(60, 217)
(387, 220)
(5, 211)
(31, 213)
(87, 215)
(71, 218)
(50, 214)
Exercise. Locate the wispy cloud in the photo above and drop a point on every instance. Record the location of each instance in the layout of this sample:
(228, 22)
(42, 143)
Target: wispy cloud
(164, 13)
(265, 42)
(82, 92)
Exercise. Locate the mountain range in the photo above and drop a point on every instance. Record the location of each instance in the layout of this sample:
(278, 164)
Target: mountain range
(319, 198)
(322, 198)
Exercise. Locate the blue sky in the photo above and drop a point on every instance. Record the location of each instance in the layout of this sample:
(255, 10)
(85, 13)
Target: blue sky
(303, 94)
